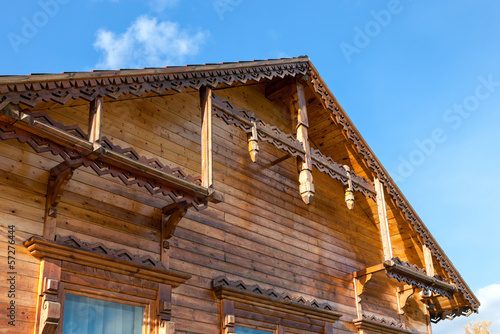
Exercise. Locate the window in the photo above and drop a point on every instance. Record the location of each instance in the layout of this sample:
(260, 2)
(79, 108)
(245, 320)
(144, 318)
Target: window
(244, 330)
(84, 315)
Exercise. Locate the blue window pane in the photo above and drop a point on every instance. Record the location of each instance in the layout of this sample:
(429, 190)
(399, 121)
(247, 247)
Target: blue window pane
(244, 330)
(94, 316)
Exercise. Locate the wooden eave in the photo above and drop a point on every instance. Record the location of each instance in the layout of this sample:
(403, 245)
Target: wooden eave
(87, 86)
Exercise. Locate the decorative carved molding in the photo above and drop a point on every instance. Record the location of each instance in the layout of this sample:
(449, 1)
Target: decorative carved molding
(100, 248)
(72, 156)
(245, 119)
(101, 257)
(255, 295)
(399, 200)
(417, 277)
(114, 84)
(437, 316)
(375, 325)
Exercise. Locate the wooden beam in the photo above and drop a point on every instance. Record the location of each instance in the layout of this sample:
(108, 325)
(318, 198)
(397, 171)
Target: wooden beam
(429, 265)
(298, 107)
(383, 222)
(95, 121)
(206, 137)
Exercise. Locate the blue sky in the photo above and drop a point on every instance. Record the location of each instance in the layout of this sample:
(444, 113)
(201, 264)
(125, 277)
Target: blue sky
(420, 80)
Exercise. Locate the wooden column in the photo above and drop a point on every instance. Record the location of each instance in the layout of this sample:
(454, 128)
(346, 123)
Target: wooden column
(298, 107)
(206, 137)
(382, 217)
(95, 121)
(429, 265)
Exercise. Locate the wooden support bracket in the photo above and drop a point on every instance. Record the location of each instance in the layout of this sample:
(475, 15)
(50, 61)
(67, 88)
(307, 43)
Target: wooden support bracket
(403, 294)
(171, 216)
(58, 178)
(359, 286)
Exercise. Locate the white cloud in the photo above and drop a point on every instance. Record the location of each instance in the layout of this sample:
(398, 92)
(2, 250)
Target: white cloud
(147, 43)
(489, 297)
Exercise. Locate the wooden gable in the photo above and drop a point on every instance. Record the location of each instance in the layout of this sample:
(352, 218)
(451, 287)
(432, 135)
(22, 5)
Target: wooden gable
(247, 170)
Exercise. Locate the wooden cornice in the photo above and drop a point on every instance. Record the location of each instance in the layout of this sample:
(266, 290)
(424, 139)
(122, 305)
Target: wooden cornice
(101, 257)
(255, 295)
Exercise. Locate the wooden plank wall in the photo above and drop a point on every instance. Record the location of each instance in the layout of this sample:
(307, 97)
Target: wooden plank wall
(262, 233)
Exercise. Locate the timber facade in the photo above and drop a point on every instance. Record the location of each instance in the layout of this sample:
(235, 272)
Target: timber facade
(215, 198)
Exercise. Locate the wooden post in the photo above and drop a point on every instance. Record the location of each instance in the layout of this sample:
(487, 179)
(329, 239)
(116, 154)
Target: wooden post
(206, 137)
(298, 105)
(382, 217)
(95, 121)
(429, 265)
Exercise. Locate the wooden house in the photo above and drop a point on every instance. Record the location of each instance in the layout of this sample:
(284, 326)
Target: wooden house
(216, 198)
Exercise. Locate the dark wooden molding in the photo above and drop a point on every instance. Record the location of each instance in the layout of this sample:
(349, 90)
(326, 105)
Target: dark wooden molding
(255, 295)
(101, 257)
(375, 325)
(437, 316)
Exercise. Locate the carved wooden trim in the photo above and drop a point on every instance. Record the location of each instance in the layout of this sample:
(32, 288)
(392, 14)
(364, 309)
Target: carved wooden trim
(171, 216)
(417, 277)
(114, 84)
(99, 256)
(245, 119)
(118, 165)
(437, 316)
(376, 325)
(255, 295)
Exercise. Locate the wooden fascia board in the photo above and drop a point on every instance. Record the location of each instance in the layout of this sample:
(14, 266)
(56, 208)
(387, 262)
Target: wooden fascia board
(42, 248)
(427, 237)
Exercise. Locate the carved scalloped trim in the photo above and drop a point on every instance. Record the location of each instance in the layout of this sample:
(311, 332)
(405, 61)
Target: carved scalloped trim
(101, 249)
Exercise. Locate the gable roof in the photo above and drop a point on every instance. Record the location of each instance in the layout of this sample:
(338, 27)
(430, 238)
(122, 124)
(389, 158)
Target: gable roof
(66, 87)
